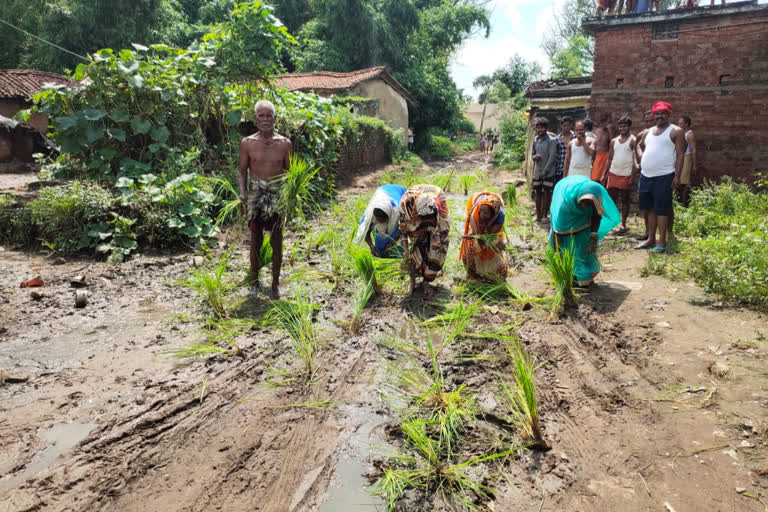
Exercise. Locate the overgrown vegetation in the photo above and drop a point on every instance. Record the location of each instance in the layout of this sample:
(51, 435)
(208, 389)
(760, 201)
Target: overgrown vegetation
(723, 242)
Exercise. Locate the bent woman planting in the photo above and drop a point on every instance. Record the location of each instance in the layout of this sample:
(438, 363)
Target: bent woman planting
(582, 214)
(424, 227)
(380, 222)
(482, 247)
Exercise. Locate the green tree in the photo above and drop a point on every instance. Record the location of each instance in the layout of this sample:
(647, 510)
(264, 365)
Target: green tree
(516, 75)
(573, 60)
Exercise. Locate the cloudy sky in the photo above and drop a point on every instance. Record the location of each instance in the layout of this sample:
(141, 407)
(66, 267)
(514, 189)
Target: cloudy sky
(517, 26)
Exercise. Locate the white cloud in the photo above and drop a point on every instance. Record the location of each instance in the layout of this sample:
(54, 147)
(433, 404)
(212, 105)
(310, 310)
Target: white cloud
(517, 27)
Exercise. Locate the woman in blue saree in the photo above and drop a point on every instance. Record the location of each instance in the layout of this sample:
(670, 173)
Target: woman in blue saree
(380, 222)
(582, 214)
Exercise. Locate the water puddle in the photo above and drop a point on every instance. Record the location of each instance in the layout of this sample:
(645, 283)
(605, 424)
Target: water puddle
(63, 437)
(349, 490)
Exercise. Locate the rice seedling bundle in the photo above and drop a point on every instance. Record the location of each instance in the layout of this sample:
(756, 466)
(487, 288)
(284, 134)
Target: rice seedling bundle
(295, 191)
(467, 181)
(211, 284)
(560, 264)
(519, 398)
(295, 317)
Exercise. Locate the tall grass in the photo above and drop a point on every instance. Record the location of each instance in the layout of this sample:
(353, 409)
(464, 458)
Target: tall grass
(455, 321)
(295, 317)
(295, 191)
(519, 399)
(560, 264)
(362, 262)
(210, 283)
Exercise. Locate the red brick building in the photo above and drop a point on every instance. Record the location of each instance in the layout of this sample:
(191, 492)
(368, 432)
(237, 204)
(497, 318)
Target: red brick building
(709, 63)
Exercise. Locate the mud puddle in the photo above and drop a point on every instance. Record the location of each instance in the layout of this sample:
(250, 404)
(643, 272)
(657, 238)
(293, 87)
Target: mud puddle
(62, 438)
(349, 489)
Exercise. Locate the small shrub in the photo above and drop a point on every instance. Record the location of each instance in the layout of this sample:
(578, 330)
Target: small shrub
(64, 215)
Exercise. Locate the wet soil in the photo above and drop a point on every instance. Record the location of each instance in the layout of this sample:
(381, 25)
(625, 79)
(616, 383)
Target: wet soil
(653, 396)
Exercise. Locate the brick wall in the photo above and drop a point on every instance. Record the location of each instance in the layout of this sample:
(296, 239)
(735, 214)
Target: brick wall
(368, 150)
(716, 72)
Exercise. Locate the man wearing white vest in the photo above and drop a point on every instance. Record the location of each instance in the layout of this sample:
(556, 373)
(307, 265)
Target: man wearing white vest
(661, 151)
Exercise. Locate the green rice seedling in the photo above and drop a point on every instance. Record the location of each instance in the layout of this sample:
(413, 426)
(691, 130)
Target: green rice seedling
(467, 181)
(265, 251)
(482, 175)
(559, 265)
(295, 194)
(361, 300)
(362, 262)
(427, 392)
(455, 321)
(295, 317)
(217, 331)
(211, 284)
(231, 211)
(511, 197)
(444, 181)
(519, 399)
(424, 464)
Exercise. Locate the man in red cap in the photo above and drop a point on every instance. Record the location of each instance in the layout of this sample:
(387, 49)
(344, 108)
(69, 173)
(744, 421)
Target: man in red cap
(661, 152)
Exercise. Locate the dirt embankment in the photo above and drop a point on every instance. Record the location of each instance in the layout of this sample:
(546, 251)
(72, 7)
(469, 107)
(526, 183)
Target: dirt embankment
(649, 396)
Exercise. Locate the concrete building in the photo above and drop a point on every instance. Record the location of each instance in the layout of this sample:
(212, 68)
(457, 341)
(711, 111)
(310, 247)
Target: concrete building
(555, 99)
(710, 63)
(389, 99)
(485, 116)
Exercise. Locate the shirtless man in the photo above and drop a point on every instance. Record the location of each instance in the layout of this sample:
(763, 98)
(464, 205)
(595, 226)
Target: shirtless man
(617, 176)
(264, 156)
(578, 153)
(689, 161)
(662, 149)
(604, 135)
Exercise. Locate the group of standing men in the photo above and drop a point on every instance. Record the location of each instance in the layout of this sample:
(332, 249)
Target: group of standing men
(662, 156)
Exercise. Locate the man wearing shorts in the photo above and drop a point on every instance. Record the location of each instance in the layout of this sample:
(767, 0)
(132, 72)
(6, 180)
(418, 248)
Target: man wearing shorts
(264, 156)
(617, 175)
(545, 156)
(662, 149)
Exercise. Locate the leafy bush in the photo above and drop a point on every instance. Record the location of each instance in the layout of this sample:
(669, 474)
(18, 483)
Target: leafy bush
(511, 151)
(63, 216)
(465, 125)
(16, 226)
(728, 254)
(440, 147)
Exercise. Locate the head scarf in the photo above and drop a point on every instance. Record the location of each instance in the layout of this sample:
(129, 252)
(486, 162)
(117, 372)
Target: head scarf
(427, 205)
(568, 217)
(386, 198)
(472, 224)
(661, 105)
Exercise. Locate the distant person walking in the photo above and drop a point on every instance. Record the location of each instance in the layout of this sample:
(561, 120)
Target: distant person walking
(545, 156)
(410, 138)
(662, 147)
(602, 145)
(689, 161)
(483, 143)
(578, 154)
(617, 177)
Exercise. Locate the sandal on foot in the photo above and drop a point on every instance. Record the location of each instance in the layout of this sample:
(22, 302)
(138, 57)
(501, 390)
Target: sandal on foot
(659, 249)
(643, 245)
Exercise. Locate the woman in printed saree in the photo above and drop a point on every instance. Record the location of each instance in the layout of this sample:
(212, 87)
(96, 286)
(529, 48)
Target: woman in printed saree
(482, 247)
(582, 214)
(380, 222)
(424, 227)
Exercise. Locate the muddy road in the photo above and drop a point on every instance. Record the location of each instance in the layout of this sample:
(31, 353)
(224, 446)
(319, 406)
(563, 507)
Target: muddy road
(652, 395)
